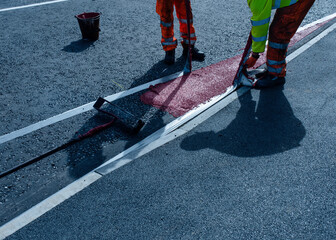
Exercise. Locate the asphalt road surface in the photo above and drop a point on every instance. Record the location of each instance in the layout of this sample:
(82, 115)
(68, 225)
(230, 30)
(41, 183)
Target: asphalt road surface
(277, 183)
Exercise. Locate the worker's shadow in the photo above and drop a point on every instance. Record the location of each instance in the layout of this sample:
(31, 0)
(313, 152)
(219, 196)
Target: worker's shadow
(266, 129)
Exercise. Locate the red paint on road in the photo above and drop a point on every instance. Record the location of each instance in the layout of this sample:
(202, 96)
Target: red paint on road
(185, 93)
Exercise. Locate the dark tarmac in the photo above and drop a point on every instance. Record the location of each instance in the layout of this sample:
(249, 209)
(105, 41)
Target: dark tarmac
(261, 168)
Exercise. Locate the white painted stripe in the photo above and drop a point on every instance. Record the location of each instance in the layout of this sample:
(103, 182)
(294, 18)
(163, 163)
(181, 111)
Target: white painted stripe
(31, 128)
(31, 5)
(84, 108)
(119, 162)
(47, 204)
(311, 43)
(65, 193)
(329, 17)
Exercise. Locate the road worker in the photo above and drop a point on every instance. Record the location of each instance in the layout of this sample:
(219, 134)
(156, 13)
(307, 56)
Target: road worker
(286, 21)
(165, 8)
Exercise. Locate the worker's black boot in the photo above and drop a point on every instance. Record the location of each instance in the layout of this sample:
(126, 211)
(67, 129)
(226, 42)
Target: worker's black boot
(269, 80)
(170, 57)
(196, 54)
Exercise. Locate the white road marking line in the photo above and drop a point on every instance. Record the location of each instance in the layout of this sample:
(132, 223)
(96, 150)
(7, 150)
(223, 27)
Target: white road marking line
(89, 106)
(31, 5)
(311, 43)
(47, 204)
(81, 109)
(329, 17)
(75, 187)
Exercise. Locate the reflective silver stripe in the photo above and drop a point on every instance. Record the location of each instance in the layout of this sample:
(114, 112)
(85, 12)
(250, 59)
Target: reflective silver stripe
(169, 43)
(259, 39)
(168, 39)
(185, 21)
(192, 42)
(272, 62)
(274, 70)
(278, 45)
(192, 35)
(261, 22)
(292, 2)
(166, 24)
(277, 4)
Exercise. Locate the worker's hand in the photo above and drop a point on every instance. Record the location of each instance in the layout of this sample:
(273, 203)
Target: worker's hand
(252, 60)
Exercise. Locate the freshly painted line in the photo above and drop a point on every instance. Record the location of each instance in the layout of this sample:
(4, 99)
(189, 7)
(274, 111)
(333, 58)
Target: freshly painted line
(89, 106)
(81, 109)
(75, 187)
(31, 5)
(47, 204)
(119, 162)
(326, 18)
(31, 128)
(311, 43)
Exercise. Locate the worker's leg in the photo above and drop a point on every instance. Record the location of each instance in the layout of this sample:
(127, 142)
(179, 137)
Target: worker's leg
(181, 13)
(284, 25)
(165, 8)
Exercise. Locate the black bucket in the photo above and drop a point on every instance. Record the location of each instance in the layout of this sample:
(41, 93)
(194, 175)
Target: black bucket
(89, 25)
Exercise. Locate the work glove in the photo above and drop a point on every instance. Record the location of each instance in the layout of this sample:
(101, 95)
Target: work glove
(252, 60)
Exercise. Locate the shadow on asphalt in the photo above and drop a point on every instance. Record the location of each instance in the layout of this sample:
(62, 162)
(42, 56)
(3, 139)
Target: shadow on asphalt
(78, 46)
(90, 153)
(159, 70)
(155, 120)
(266, 129)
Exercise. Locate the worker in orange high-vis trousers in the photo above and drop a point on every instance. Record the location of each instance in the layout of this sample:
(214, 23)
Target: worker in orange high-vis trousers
(165, 8)
(286, 21)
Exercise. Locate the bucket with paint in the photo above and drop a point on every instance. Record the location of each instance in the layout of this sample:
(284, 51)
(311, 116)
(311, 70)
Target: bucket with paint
(89, 25)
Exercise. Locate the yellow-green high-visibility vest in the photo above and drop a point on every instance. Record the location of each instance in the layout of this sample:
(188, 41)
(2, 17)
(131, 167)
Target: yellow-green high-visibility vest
(261, 15)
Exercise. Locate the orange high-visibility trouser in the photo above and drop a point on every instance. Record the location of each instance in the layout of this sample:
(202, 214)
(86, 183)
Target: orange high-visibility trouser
(284, 25)
(165, 8)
